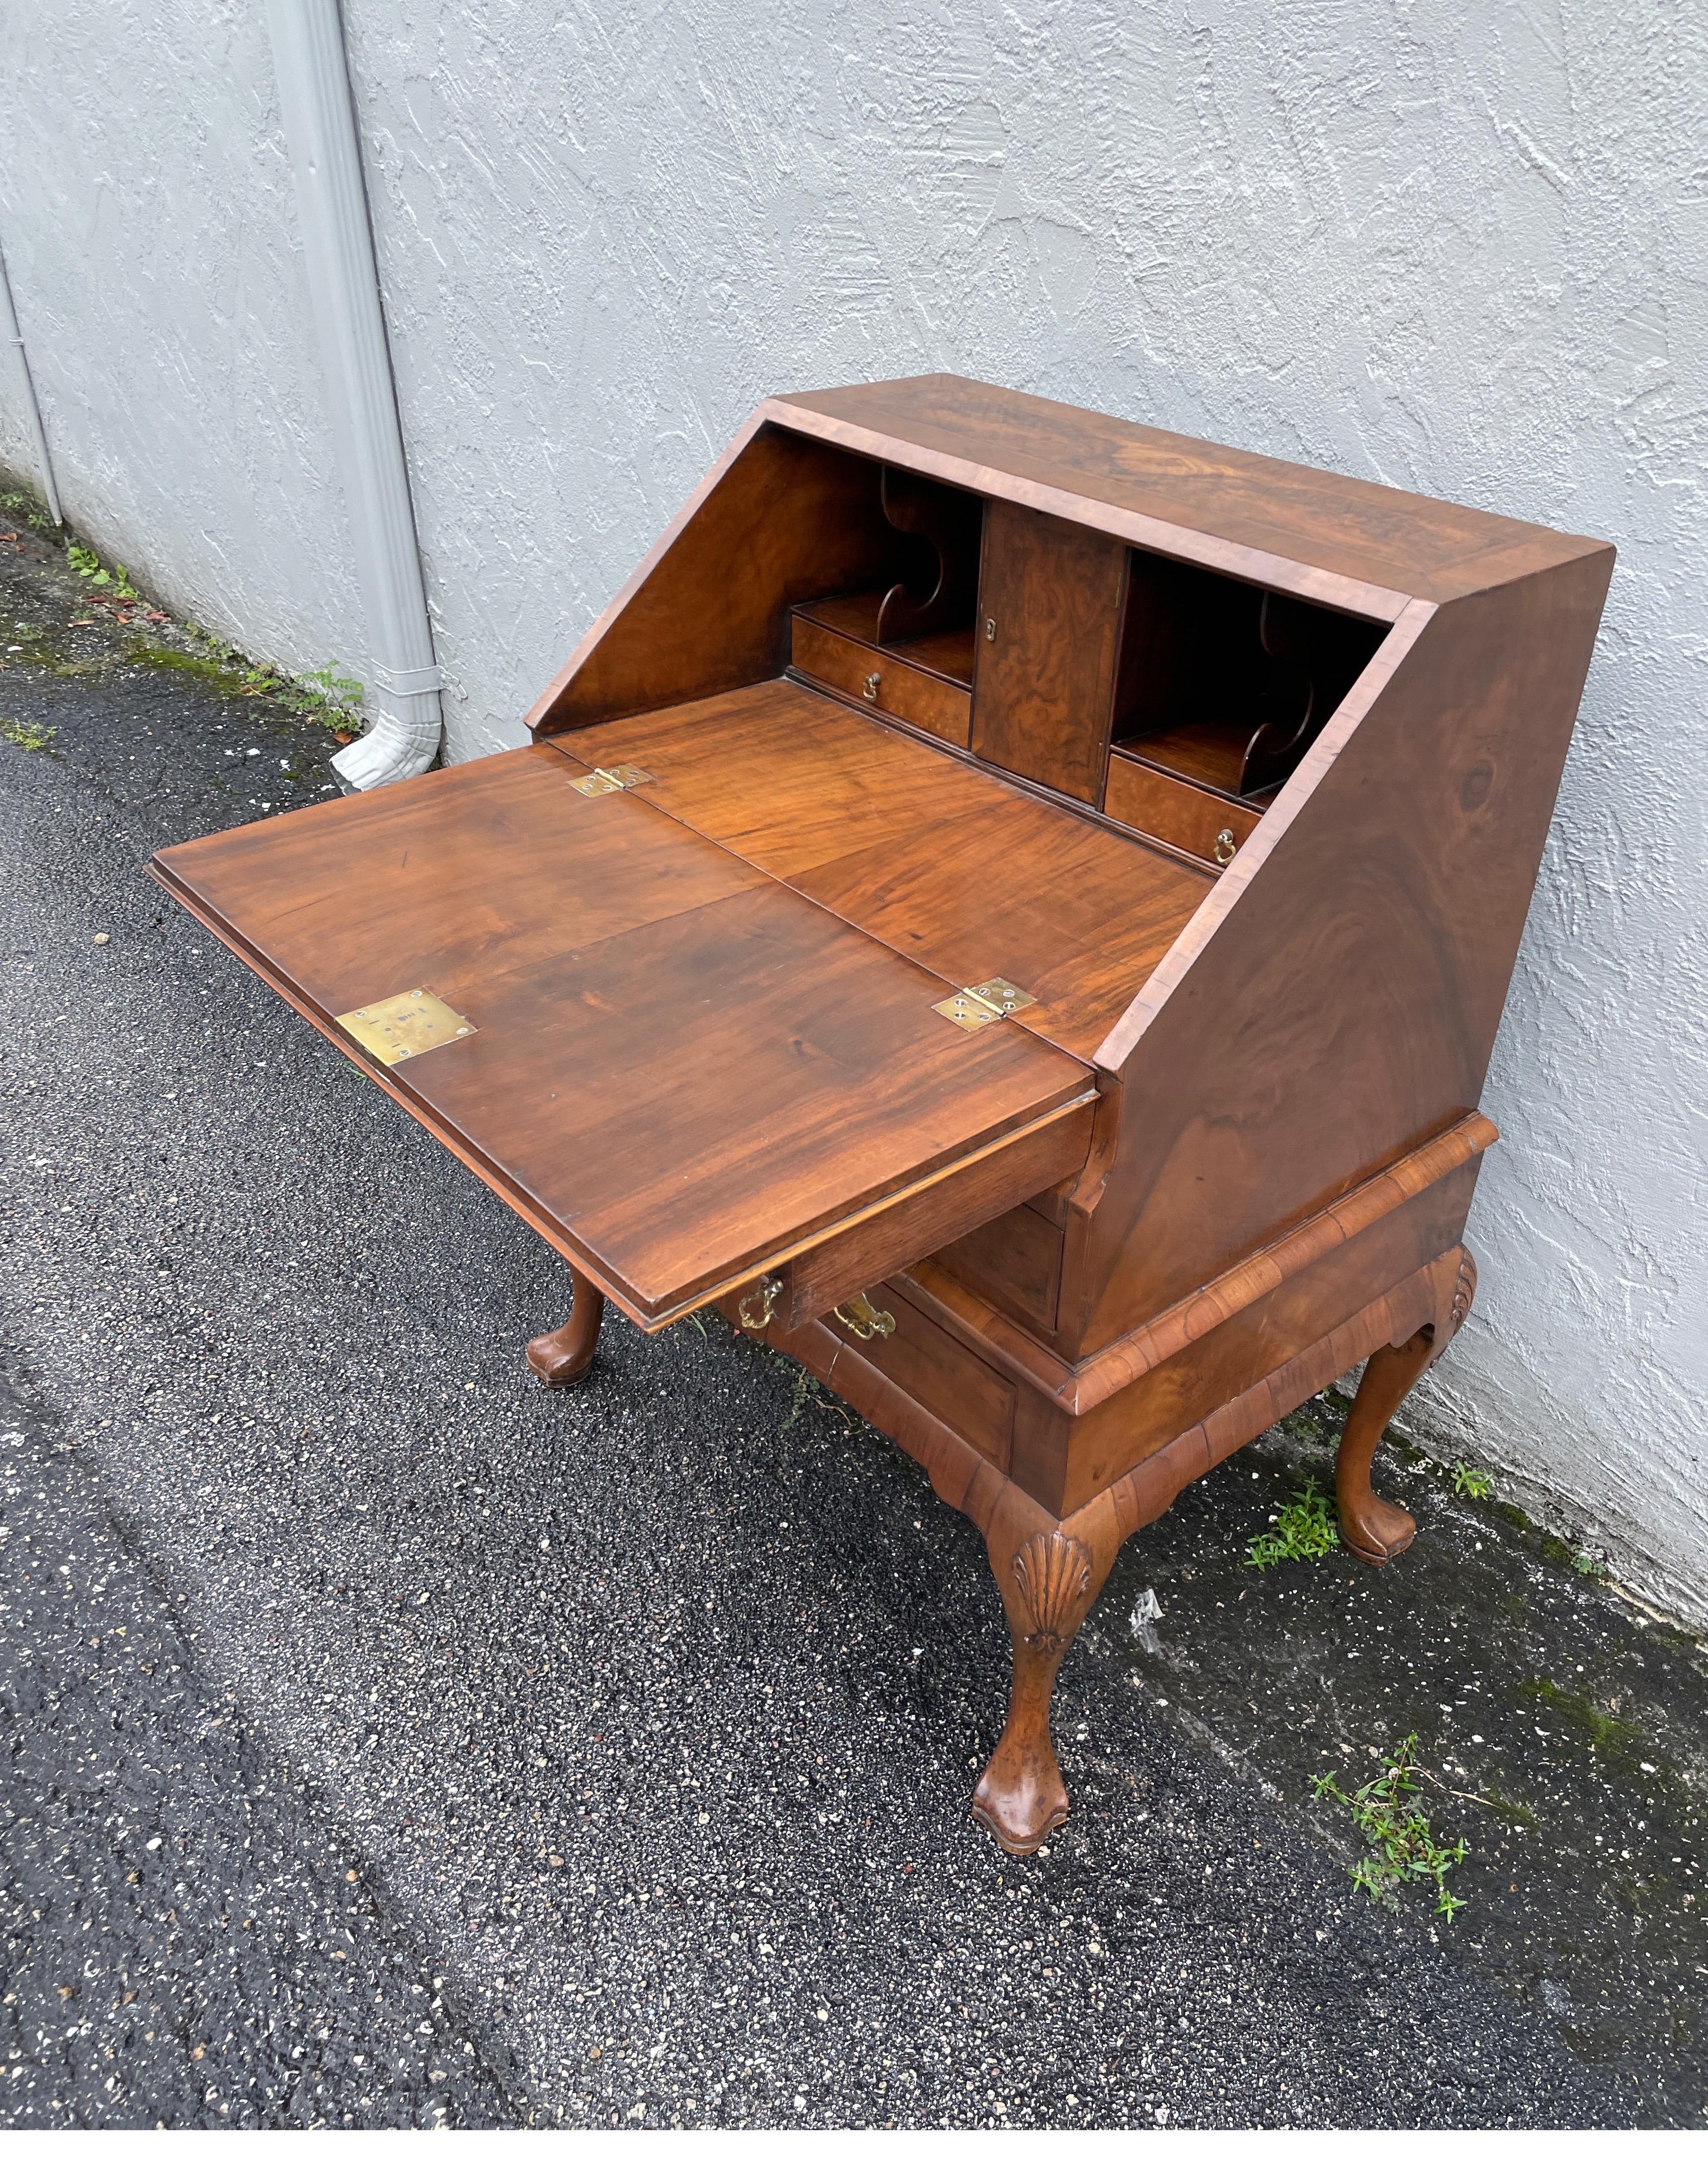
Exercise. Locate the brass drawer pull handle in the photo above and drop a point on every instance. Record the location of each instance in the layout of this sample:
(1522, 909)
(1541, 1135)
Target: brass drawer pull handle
(756, 1306)
(1226, 845)
(863, 1318)
(870, 686)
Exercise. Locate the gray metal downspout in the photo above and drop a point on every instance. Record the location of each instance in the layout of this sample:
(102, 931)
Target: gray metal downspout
(9, 331)
(314, 93)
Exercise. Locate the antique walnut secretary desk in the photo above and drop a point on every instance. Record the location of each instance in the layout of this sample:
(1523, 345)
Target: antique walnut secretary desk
(1015, 909)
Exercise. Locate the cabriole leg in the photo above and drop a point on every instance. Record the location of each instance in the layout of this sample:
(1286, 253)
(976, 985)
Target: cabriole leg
(564, 1357)
(1047, 1591)
(1373, 1528)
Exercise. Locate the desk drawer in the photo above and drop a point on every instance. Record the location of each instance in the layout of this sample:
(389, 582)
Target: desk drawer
(889, 685)
(1211, 827)
(942, 1376)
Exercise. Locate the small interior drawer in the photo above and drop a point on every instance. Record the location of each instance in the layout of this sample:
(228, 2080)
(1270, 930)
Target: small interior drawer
(890, 681)
(1211, 827)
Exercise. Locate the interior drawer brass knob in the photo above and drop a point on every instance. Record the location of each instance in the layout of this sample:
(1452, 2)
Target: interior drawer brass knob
(1225, 845)
(870, 686)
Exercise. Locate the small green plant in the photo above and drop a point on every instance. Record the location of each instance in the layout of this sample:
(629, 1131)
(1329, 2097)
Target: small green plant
(28, 734)
(327, 697)
(88, 566)
(1389, 1811)
(1587, 1564)
(1472, 1483)
(1303, 1530)
(806, 1391)
(29, 506)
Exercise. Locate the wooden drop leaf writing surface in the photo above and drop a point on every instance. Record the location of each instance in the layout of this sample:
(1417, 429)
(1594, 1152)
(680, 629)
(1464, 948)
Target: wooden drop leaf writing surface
(1078, 928)
(964, 873)
(732, 1081)
(681, 1067)
(451, 880)
(786, 778)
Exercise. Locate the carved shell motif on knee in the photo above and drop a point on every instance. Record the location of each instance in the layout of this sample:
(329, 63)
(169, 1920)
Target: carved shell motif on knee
(1051, 1571)
(1464, 1290)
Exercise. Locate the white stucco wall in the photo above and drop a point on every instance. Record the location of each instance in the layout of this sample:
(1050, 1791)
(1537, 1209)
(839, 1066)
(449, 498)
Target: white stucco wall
(149, 223)
(1460, 251)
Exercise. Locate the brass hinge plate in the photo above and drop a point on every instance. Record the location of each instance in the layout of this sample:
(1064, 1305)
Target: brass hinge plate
(975, 1005)
(611, 780)
(404, 1026)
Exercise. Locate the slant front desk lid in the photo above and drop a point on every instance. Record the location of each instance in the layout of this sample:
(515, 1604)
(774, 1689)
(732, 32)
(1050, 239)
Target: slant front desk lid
(680, 1069)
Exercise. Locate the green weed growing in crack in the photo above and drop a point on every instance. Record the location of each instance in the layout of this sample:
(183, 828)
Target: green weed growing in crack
(1472, 1483)
(88, 566)
(806, 1391)
(325, 696)
(1389, 1811)
(1303, 1530)
(31, 506)
(28, 734)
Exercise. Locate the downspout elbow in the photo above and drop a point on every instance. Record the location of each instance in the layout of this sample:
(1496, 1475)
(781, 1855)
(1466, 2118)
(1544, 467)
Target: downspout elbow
(405, 737)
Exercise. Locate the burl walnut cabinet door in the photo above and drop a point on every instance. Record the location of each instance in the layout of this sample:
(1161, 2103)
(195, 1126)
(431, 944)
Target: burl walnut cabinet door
(1049, 628)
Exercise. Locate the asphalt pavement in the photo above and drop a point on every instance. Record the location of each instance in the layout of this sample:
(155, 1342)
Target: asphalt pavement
(389, 1741)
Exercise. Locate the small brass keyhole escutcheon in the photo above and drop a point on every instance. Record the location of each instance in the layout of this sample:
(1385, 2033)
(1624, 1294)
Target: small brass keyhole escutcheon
(990, 628)
(872, 682)
(1225, 845)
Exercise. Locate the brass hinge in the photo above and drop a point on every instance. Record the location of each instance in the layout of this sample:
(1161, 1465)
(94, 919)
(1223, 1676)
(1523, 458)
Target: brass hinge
(975, 1005)
(610, 779)
(404, 1026)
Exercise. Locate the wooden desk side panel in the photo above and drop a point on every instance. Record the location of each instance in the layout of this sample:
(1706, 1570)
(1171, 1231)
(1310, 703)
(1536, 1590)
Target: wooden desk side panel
(779, 519)
(1336, 1000)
